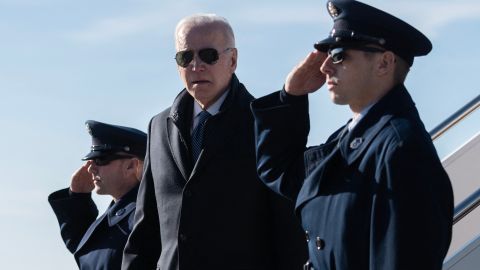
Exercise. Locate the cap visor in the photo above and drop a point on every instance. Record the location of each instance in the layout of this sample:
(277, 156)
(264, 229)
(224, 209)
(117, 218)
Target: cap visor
(94, 155)
(325, 44)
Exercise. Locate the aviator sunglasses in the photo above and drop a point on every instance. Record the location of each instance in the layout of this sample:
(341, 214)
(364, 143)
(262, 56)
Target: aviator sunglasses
(105, 160)
(338, 54)
(207, 55)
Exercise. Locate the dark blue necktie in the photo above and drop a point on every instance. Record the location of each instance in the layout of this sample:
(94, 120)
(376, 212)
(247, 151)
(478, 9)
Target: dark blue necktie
(197, 135)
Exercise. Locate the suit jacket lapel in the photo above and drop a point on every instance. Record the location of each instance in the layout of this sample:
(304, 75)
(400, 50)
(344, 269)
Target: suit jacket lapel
(216, 137)
(221, 127)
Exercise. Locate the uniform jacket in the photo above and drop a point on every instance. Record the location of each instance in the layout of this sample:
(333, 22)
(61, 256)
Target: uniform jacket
(215, 214)
(376, 197)
(97, 244)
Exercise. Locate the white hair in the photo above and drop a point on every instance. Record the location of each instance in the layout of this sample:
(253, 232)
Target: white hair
(205, 19)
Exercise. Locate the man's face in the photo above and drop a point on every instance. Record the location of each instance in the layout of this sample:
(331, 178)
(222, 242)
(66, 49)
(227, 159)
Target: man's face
(109, 179)
(349, 82)
(205, 82)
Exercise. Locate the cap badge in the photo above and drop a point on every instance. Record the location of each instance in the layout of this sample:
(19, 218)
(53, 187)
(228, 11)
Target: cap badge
(332, 33)
(333, 10)
(89, 129)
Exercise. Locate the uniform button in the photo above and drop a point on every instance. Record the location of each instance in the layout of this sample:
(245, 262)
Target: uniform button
(183, 237)
(120, 212)
(320, 243)
(188, 193)
(307, 237)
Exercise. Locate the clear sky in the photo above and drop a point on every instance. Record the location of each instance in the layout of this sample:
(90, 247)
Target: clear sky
(63, 62)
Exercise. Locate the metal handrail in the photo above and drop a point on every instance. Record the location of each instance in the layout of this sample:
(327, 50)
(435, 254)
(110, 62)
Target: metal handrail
(466, 206)
(455, 118)
(472, 201)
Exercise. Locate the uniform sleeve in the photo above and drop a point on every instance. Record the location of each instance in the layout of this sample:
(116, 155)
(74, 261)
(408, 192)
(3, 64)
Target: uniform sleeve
(281, 131)
(144, 244)
(412, 208)
(75, 213)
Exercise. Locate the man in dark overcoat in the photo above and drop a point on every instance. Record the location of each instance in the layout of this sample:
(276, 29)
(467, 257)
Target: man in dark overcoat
(114, 167)
(374, 195)
(200, 203)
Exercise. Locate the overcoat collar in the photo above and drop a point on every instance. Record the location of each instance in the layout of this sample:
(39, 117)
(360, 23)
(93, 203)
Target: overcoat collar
(396, 102)
(123, 207)
(115, 213)
(222, 126)
(178, 132)
(180, 119)
(347, 147)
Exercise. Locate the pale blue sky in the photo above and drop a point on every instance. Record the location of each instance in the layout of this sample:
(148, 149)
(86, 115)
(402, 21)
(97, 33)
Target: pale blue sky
(63, 62)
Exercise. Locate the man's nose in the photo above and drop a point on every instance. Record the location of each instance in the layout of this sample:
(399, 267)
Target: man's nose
(327, 66)
(197, 63)
(92, 168)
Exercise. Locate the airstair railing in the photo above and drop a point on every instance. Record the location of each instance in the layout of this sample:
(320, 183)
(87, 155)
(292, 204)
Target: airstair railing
(466, 206)
(455, 118)
(472, 201)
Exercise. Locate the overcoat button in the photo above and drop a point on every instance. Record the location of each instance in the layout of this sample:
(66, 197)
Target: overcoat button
(120, 212)
(320, 243)
(188, 193)
(307, 237)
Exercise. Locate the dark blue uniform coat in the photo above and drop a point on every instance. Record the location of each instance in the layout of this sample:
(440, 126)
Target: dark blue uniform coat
(376, 197)
(97, 244)
(215, 214)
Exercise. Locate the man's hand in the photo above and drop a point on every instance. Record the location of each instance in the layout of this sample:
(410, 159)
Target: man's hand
(82, 181)
(306, 77)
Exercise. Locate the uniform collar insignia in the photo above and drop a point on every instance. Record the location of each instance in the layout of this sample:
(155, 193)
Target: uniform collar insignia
(356, 143)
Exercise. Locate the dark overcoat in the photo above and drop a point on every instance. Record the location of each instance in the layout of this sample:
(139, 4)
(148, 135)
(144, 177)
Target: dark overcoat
(376, 197)
(215, 214)
(97, 244)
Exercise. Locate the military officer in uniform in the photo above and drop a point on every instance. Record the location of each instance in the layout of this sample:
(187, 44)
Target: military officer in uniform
(114, 167)
(374, 195)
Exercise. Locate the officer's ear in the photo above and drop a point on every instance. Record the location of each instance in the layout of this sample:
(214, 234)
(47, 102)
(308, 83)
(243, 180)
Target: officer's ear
(385, 63)
(139, 172)
(131, 167)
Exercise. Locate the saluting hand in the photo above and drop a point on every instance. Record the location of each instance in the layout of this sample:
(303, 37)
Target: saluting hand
(82, 181)
(306, 77)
